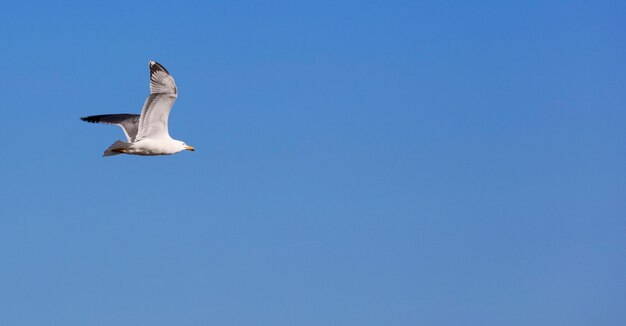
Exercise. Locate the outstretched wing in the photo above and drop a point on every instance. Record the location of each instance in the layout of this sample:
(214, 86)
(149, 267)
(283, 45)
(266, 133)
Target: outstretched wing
(156, 109)
(128, 122)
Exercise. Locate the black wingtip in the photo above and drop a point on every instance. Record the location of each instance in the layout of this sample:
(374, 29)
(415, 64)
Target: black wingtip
(155, 66)
(93, 118)
(110, 118)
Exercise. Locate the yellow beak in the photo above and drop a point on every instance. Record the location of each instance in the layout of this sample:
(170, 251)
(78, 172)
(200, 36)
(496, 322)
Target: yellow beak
(190, 148)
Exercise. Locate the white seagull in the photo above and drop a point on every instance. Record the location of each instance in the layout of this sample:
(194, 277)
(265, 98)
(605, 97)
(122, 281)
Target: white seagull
(147, 133)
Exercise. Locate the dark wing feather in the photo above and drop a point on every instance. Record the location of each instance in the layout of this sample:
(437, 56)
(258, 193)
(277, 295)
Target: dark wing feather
(128, 122)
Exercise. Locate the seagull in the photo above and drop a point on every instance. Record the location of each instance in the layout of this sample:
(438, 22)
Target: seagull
(147, 134)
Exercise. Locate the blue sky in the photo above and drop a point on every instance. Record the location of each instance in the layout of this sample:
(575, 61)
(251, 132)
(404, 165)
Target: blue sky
(357, 163)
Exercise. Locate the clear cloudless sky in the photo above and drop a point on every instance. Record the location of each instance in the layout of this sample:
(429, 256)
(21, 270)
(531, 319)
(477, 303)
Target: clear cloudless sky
(357, 163)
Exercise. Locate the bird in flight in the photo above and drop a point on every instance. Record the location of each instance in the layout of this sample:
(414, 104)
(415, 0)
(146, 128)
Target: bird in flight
(147, 134)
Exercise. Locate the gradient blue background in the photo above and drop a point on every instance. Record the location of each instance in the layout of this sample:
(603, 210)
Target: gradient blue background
(357, 163)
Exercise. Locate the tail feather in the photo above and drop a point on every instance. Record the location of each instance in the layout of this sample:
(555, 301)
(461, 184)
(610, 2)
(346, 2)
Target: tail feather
(116, 148)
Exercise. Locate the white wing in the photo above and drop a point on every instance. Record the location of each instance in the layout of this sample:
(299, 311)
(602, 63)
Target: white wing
(156, 109)
(128, 122)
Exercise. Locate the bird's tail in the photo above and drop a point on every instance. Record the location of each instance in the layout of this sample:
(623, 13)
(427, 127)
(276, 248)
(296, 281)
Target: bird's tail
(119, 147)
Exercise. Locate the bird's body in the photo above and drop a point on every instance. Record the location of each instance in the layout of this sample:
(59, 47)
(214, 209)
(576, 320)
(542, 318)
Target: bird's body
(147, 134)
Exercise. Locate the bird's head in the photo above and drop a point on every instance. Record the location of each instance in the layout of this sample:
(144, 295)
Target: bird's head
(186, 147)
